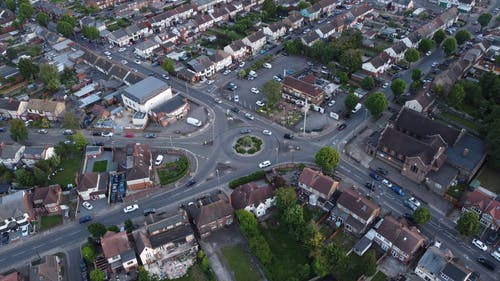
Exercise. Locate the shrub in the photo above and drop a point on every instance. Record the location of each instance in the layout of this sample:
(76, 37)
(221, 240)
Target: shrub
(252, 151)
(246, 179)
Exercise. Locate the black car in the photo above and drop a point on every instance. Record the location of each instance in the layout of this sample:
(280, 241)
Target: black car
(486, 263)
(149, 211)
(381, 171)
(97, 134)
(235, 110)
(288, 136)
(5, 238)
(370, 186)
(474, 276)
(492, 238)
(245, 131)
(408, 217)
(341, 127)
(2, 129)
(150, 136)
(191, 182)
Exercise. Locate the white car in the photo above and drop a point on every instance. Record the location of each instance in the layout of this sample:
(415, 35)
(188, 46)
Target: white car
(387, 183)
(137, 61)
(210, 82)
(254, 90)
(276, 78)
(267, 132)
(236, 98)
(159, 159)
(264, 164)
(109, 57)
(242, 64)
(87, 205)
(331, 103)
(130, 208)
(267, 65)
(478, 243)
(124, 61)
(496, 254)
(428, 53)
(260, 103)
(249, 116)
(107, 134)
(107, 53)
(121, 50)
(217, 100)
(226, 72)
(385, 85)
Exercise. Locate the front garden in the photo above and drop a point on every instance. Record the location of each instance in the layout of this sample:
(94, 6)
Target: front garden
(248, 145)
(173, 171)
(100, 166)
(240, 263)
(47, 221)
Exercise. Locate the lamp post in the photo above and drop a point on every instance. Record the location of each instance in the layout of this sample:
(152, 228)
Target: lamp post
(218, 177)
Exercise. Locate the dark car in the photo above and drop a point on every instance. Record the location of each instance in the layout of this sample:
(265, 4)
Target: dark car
(150, 136)
(381, 171)
(96, 134)
(99, 144)
(341, 127)
(398, 190)
(2, 129)
(375, 176)
(191, 182)
(491, 239)
(370, 186)
(486, 263)
(288, 136)
(149, 211)
(85, 219)
(235, 110)
(474, 276)
(245, 131)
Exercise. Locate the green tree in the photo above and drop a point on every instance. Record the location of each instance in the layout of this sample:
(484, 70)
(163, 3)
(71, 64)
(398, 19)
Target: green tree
(269, 7)
(272, 92)
(416, 74)
(88, 254)
(113, 228)
(368, 83)
(11, 53)
(468, 224)
(314, 238)
(39, 176)
(449, 45)
(398, 87)
(484, 19)
(97, 229)
(327, 158)
(285, 198)
(129, 226)
(425, 45)
(302, 5)
(64, 28)
(70, 120)
(11, 5)
(143, 275)
(412, 55)
(18, 130)
(24, 178)
(80, 141)
(168, 66)
(97, 275)
(351, 60)
(68, 77)
(350, 102)
(294, 219)
(27, 68)
(368, 266)
(456, 96)
(422, 215)
(439, 36)
(342, 77)
(69, 19)
(493, 143)
(261, 249)
(248, 223)
(462, 36)
(43, 19)
(376, 103)
(25, 11)
(91, 32)
(50, 77)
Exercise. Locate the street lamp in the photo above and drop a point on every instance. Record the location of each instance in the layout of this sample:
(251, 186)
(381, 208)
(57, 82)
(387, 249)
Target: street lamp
(218, 177)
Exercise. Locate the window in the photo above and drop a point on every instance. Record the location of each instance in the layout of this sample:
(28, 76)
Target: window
(414, 169)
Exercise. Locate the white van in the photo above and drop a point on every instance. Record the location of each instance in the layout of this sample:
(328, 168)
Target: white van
(334, 115)
(252, 73)
(356, 108)
(194, 122)
(159, 159)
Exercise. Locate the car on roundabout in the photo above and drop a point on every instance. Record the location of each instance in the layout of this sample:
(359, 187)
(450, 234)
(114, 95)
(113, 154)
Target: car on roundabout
(264, 164)
(267, 132)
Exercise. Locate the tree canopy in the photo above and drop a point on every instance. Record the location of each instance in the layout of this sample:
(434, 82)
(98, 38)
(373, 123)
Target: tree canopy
(439, 36)
(272, 91)
(368, 83)
(97, 229)
(422, 215)
(168, 66)
(468, 224)
(327, 158)
(425, 45)
(351, 60)
(91, 32)
(25, 11)
(398, 87)
(70, 120)
(376, 103)
(449, 45)
(27, 68)
(50, 77)
(412, 55)
(18, 130)
(350, 102)
(484, 19)
(456, 96)
(462, 36)
(285, 197)
(416, 74)
(43, 19)
(97, 275)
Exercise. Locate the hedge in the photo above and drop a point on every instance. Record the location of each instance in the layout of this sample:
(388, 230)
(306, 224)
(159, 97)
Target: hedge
(246, 179)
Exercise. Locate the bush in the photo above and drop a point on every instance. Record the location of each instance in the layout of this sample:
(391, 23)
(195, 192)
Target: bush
(246, 179)
(252, 150)
(174, 171)
(241, 150)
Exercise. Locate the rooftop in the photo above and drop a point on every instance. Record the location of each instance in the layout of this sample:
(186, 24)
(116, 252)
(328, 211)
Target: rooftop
(146, 89)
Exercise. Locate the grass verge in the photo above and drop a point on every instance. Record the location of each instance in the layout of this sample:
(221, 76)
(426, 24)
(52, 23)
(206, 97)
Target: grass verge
(50, 221)
(380, 276)
(489, 178)
(100, 166)
(240, 263)
(173, 171)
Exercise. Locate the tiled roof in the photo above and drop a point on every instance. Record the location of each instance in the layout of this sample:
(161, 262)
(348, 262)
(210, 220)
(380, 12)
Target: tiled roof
(250, 194)
(302, 86)
(316, 180)
(357, 203)
(407, 240)
(114, 244)
(48, 194)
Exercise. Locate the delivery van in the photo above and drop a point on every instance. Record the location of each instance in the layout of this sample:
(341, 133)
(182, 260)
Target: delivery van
(194, 122)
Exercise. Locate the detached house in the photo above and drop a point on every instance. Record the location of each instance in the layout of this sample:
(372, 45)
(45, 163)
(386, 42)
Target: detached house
(255, 41)
(237, 49)
(253, 198)
(118, 252)
(402, 242)
(294, 21)
(317, 187)
(146, 94)
(52, 110)
(297, 91)
(47, 198)
(437, 263)
(210, 213)
(378, 65)
(355, 211)
(275, 30)
(146, 48)
(92, 185)
(167, 247)
(483, 203)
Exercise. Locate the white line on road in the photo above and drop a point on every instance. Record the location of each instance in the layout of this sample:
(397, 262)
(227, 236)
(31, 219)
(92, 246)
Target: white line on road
(19, 253)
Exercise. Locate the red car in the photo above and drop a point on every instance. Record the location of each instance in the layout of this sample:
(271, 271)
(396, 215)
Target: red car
(341, 127)
(129, 135)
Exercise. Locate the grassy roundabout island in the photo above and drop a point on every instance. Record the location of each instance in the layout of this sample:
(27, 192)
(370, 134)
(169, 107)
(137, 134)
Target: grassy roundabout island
(248, 145)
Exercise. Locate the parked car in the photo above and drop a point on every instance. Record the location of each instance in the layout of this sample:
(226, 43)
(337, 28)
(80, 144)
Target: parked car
(85, 219)
(267, 65)
(67, 132)
(5, 238)
(474, 276)
(398, 190)
(191, 182)
(342, 127)
(129, 135)
(492, 238)
(249, 116)
(288, 136)
(227, 71)
(387, 183)
(107, 134)
(375, 176)
(381, 171)
(217, 100)
(137, 61)
(43, 131)
(235, 110)
(413, 203)
(496, 254)
(97, 134)
(241, 64)
(480, 244)
(150, 136)
(87, 205)
(236, 98)
(254, 90)
(245, 131)
(264, 164)
(159, 159)
(486, 263)
(130, 208)
(260, 103)
(149, 211)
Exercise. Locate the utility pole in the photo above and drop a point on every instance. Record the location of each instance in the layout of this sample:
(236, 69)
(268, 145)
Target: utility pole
(305, 115)
(218, 177)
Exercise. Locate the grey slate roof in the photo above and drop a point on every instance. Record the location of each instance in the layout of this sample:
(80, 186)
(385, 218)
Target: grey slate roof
(475, 154)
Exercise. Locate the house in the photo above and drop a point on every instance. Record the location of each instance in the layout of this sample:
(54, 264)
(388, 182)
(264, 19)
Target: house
(355, 211)
(397, 5)
(167, 247)
(145, 49)
(255, 41)
(210, 213)
(136, 161)
(432, 262)
(327, 7)
(52, 110)
(166, 37)
(326, 30)
(378, 65)
(33, 154)
(205, 5)
(49, 269)
(103, 4)
(397, 50)
(221, 60)
(253, 198)
(53, 10)
(8, 72)
(312, 13)
(92, 185)
(483, 203)
(412, 40)
(90, 21)
(294, 21)
(146, 94)
(297, 91)
(7, 17)
(203, 22)
(317, 187)
(202, 66)
(454, 271)
(310, 38)
(402, 242)
(237, 49)
(169, 112)
(11, 108)
(118, 252)
(10, 154)
(421, 101)
(47, 198)
(12, 276)
(15, 211)
(275, 30)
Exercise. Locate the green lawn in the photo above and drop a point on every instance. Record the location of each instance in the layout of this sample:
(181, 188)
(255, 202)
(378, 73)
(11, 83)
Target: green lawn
(100, 166)
(459, 120)
(489, 178)
(345, 240)
(50, 221)
(173, 171)
(71, 167)
(289, 256)
(240, 263)
(379, 276)
(195, 273)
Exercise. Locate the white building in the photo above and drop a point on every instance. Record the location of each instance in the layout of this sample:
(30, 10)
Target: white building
(255, 41)
(253, 198)
(146, 48)
(10, 154)
(146, 94)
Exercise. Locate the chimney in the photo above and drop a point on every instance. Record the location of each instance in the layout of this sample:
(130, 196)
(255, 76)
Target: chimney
(465, 152)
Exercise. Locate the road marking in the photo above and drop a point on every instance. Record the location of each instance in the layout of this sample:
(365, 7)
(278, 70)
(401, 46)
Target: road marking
(19, 253)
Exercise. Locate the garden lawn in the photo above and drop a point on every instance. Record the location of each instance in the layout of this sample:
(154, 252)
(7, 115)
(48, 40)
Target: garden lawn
(344, 240)
(195, 273)
(240, 263)
(288, 254)
(380, 276)
(71, 167)
(50, 221)
(489, 178)
(173, 171)
(100, 166)
(462, 121)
